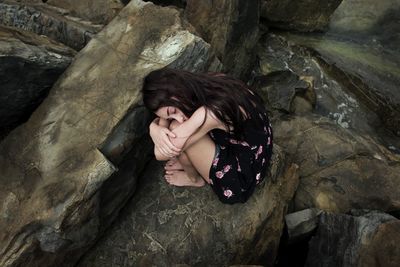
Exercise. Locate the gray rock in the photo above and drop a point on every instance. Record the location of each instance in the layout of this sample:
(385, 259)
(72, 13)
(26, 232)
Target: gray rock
(231, 27)
(371, 74)
(346, 240)
(96, 11)
(164, 225)
(29, 66)
(300, 15)
(280, 89)
(340, 170)
(302, 223)
(52, 22)
(59, 192)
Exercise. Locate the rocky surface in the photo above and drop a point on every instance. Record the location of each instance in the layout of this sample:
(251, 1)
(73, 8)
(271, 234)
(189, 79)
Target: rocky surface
(362, 238)
(342, 167)
(59, 185)
(300, 15)
(373, 76)
(29, 65)
(334, 100)
(52, 22)
(375, 23)
(302, 224)
(164, 225)
(231, 27)
(100, 12)
(339, 170)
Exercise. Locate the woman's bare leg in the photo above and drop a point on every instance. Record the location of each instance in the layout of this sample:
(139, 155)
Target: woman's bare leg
(193, 173)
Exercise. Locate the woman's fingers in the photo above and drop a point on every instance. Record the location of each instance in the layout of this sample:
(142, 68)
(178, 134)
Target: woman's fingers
(170, 133)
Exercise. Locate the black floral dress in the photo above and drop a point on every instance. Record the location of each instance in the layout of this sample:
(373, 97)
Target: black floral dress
(239, 166)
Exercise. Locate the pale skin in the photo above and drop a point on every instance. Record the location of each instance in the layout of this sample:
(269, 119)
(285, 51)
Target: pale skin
(189, 153)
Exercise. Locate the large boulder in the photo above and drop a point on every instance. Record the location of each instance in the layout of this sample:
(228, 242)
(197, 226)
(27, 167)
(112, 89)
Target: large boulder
(62, 178)
(372, 74)
(29, 65)
(52, 22)
(164, 225)
(339, 169)
(335, 98)
(361, 238)
(231, 27)
(300, 15)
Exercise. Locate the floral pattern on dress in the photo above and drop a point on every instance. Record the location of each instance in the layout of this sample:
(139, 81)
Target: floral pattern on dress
(222, 172)
(259, 151)
(228, 193)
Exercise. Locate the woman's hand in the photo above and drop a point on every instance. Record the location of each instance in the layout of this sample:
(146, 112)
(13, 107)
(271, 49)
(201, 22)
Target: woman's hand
(161, 138)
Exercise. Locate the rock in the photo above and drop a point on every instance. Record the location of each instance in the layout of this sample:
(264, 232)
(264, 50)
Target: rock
(99, 12)
(29, 65)
(59, 191)
(231, 27)
(372, 24)
(52, 22)
(301, 224)
(280, 89)
(164, 225)
(361, 69)
(301, 15)
(177, 3)
(334, 100)
(339, 169)
(370, 239)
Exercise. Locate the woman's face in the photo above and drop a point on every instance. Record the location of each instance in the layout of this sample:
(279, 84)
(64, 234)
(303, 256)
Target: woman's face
(171, 113)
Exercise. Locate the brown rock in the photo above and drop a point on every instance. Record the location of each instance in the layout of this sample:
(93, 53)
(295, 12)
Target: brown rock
(59, 191)
(29, 65)
(300, 15)
(46, 20)
(231, 27)
(164, 225)
(100, 12)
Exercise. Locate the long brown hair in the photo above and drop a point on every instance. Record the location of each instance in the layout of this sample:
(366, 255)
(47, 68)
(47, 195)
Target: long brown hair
(219, 93)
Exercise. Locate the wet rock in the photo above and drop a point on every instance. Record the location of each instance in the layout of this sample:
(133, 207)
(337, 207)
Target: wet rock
(29, 66)
(164, 225)
(99, 12)
(300, 15)
(52, 22)
(369, 239)
(373, 76)
(59, 192)
(231, 27)
(334, 100)
(339, 169)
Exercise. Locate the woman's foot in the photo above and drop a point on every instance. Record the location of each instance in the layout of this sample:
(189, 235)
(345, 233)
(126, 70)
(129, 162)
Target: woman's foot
(180, 178)
(173, 164)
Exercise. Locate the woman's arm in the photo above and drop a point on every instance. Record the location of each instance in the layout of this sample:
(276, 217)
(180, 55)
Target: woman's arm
(186, 133)
(157, 126)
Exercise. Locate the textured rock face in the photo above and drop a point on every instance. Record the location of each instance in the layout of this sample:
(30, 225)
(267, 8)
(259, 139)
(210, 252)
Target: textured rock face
(101, 12)
(371, 74)
(29, 65)
(165, 225)
(300, 15)
(58, 190)
(231, 27)
(340, 170)
(54, 23)
(346, 240)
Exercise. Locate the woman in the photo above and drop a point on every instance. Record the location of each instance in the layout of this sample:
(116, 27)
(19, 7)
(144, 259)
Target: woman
(210, 128)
